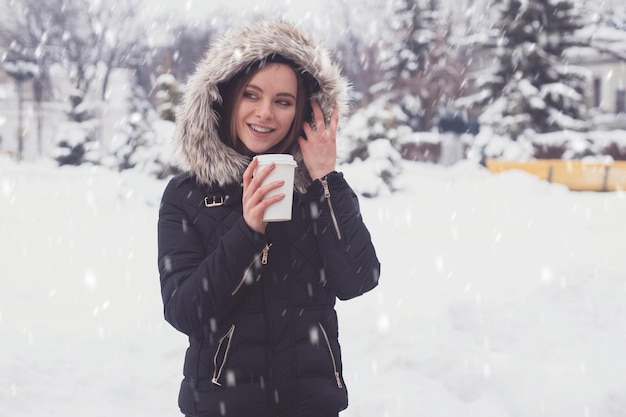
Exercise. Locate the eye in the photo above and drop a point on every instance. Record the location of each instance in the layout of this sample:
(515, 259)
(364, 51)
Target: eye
(285, 103)
(249, 95)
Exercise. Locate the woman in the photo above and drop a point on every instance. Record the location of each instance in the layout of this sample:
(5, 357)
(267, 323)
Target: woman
(257, 299)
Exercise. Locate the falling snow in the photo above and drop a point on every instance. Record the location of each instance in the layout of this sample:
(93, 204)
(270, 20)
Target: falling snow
(500, 295)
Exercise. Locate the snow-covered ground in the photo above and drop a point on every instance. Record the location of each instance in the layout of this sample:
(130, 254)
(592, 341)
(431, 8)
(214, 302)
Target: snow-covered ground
(500, 295)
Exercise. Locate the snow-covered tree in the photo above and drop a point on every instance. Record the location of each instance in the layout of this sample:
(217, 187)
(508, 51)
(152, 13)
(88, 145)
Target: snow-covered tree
(357, 32)
(86, 38)
(144, 140)
(26, 32)
(77, 140)
(403, 56)
(377, 175)
(603, 47)
(89, 38)
(420, 68)
(411, 34)
(119, 37)
(379, 120)
(370, 138)
(530, 85)
(168, 94)
(605, 29)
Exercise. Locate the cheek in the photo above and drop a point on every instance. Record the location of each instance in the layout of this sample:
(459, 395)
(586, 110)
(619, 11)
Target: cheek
(240, 112)
(288, 117)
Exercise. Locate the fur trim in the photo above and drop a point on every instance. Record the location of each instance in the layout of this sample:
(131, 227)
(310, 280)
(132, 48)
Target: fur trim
(197, 138)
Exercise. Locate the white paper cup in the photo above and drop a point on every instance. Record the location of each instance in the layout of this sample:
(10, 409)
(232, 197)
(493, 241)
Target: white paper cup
(285, 170)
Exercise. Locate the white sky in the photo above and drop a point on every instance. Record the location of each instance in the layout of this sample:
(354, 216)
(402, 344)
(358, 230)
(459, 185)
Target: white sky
(292, 9)
(323, 18)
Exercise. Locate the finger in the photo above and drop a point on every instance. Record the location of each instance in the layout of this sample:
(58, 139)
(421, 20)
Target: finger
(248, 173)
(265, 203)
(262, 192)
(258, 190)
(334, 118)
(261, 174)
(259, 202)
(308, 131)
(318, 115)
(252, 182)
(302, 141)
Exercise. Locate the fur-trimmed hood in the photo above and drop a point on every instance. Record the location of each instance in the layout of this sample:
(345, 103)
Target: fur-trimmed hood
(197, 140)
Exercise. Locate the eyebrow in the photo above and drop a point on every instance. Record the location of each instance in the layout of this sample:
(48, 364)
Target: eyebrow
(284, 94)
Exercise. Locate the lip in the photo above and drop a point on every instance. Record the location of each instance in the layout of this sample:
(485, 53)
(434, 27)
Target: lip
(252, 126)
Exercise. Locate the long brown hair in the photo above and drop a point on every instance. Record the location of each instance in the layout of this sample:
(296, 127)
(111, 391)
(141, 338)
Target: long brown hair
(232, 93)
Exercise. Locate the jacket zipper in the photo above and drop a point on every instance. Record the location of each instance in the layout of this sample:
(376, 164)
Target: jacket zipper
(264, 254)
(324, 182)
(217, 371)
(332, 356)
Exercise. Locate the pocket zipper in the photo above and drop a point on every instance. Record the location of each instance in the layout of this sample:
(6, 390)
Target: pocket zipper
(217, 371)
(263, 255)
(332, 356)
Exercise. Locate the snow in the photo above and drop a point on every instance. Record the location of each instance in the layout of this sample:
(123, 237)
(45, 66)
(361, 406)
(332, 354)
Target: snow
(500, 295)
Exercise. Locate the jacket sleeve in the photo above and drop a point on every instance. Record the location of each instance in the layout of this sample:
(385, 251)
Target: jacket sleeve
(199, 288)
(350, 262)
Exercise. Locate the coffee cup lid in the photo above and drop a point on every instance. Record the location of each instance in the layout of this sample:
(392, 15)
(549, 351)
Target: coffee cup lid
(279, 158)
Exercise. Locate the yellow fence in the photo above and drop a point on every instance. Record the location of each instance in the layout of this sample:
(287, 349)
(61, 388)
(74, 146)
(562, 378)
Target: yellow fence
(575, 174)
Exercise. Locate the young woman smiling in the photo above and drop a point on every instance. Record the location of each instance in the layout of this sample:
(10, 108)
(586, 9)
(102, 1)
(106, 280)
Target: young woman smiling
(256, 299)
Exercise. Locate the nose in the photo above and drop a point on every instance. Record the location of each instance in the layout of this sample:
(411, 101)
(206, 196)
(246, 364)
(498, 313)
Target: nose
(264, 110)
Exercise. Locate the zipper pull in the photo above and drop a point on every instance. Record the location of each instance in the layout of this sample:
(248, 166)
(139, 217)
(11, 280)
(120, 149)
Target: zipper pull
(266, 250)
(324, 182)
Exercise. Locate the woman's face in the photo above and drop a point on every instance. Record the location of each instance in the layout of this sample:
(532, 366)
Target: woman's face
(267, 108)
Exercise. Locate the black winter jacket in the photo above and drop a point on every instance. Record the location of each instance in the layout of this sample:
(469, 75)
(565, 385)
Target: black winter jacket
(259, 309)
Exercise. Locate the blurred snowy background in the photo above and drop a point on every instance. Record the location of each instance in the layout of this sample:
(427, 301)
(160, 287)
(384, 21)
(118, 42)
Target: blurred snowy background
(88, 81)
(500, 295)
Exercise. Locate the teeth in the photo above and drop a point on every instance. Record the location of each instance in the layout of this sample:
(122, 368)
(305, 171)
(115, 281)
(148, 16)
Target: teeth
(260, 129)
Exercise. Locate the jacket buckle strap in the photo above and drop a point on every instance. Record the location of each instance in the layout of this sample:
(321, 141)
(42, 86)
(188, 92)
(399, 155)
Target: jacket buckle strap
(215, 201)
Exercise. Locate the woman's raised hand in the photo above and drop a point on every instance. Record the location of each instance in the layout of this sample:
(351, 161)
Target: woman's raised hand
(319, 149)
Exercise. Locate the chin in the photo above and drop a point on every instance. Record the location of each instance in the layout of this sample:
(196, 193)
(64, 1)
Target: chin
(260, 148)
(257, 151)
